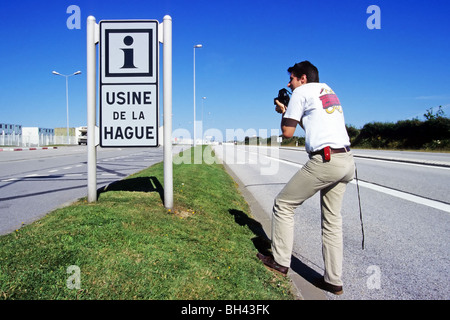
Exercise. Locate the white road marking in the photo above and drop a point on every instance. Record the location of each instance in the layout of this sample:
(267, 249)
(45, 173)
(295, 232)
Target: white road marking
(428, 165)
(405, 196)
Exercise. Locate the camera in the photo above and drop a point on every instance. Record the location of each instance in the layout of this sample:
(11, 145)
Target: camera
(283, 97)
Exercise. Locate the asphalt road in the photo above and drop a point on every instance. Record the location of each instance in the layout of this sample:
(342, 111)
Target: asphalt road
(405, 208)
(33, 183)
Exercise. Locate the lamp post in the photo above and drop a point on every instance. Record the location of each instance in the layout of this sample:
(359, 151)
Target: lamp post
(196, 46)
(67, 96)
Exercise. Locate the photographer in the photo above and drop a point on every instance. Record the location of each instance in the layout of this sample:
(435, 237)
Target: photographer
(317, 109)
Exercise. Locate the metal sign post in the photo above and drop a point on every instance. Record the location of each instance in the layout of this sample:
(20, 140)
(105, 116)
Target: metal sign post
(167, 100)
(92, 39)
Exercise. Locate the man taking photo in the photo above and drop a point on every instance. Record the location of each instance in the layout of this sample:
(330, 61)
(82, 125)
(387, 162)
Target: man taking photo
(316, 108)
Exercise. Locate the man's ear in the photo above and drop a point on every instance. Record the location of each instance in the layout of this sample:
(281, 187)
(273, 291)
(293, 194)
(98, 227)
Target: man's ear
(304, 79)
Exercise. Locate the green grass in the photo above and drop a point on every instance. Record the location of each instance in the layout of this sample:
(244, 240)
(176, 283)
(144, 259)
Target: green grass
(128, 246)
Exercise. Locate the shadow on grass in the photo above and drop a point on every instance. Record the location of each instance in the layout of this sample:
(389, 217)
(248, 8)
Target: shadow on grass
(262, 243)
(140, 184)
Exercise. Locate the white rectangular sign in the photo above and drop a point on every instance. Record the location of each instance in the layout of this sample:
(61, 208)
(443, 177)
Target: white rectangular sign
(129, 115)
(129, 83)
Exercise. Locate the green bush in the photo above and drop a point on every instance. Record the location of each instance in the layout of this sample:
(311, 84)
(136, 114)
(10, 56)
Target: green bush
(431, 134)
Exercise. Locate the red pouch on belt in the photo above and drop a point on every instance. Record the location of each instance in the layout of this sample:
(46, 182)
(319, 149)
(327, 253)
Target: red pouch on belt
(326, 154)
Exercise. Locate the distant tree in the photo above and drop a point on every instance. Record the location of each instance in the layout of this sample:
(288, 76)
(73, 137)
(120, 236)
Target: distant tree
(352, 132)
(429, 115)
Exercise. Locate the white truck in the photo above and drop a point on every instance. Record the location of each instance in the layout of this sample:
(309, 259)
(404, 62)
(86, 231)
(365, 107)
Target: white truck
(82, 135)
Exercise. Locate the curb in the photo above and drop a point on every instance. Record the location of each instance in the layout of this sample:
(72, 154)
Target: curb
(28, 149)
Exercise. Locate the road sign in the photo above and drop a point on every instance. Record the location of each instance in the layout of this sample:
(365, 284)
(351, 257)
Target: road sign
(129, 62)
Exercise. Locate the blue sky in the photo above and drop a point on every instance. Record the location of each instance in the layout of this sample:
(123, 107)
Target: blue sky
(388, 74)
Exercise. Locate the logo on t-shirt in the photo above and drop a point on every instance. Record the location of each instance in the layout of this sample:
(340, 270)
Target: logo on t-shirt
(330, 101)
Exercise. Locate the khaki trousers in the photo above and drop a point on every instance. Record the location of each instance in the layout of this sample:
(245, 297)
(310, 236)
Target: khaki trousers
(330, 178)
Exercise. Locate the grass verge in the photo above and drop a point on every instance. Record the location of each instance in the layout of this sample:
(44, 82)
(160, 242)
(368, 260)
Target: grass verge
(128, 246)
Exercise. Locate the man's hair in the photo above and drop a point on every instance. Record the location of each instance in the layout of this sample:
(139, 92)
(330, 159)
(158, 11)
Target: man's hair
(305, 68)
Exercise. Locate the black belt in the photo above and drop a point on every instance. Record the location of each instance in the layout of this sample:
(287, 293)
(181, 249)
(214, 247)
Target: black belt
(332, 150)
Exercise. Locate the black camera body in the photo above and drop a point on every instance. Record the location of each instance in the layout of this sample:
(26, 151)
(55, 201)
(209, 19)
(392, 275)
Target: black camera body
(283, 97)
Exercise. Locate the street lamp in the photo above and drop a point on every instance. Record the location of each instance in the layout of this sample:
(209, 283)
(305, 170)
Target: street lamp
(67, 96)
(196, 46)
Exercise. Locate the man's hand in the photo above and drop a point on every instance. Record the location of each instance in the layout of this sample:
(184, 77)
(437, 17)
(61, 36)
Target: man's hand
(280, 108)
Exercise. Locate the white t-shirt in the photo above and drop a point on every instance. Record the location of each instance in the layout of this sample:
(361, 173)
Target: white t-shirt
(319, 110)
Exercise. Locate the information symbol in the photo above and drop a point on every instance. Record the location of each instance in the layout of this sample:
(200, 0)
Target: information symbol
(128, 53)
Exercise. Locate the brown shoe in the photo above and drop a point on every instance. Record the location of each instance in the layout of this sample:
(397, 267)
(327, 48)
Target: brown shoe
(337, 290)
(272, 264)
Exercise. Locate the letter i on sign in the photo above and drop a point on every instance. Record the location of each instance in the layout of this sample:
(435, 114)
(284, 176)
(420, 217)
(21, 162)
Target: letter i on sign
(128, 53)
